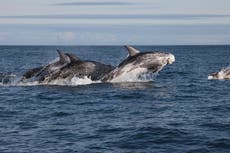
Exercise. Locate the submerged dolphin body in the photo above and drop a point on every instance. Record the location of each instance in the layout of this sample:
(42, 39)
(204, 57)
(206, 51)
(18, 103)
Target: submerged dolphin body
(138, 63)
(223, 74)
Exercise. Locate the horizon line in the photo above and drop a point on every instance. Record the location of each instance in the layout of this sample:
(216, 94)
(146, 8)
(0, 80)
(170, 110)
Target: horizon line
(122, 45)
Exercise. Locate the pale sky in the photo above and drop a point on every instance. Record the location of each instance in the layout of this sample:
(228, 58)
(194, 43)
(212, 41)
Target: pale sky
(114, 22)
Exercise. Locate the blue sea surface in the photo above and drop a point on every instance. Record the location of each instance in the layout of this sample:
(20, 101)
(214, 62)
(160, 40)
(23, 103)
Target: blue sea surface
(181, 111)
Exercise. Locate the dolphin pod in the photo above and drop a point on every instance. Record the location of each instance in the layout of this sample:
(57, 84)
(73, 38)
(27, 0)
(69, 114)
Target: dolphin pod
(69, 66)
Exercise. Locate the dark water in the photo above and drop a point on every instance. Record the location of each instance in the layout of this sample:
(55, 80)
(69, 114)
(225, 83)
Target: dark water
(180, 112)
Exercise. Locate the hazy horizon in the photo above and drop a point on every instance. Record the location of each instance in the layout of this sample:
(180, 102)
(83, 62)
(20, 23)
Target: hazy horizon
(110, 22)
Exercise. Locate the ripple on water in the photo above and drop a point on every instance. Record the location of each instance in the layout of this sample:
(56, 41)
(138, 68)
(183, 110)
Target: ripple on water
(219, 145)
(149, 137)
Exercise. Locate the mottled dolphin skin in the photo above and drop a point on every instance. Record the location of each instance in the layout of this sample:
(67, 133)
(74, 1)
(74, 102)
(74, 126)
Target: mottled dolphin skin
(223, 74)
(138, 63)
(41, 72)
(80, 69)
(69, 66)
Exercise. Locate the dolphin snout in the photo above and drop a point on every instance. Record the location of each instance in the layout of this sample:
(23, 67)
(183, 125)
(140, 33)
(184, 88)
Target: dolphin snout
(171, 59)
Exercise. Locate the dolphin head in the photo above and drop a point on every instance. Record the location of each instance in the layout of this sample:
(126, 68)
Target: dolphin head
(153, 60)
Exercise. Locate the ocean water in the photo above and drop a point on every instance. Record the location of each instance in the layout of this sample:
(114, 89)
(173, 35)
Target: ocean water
(180, 111)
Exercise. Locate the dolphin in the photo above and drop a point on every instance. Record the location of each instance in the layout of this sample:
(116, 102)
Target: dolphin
(223, 74)
(67, 67)
(138, 63)
(81, 68)
(41, 72)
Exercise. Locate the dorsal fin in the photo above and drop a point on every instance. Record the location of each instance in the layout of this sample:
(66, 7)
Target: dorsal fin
(132, 51)
(73, 58)
(62, 57)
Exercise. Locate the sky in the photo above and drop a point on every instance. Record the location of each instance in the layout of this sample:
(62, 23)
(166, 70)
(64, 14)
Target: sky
(114, 22)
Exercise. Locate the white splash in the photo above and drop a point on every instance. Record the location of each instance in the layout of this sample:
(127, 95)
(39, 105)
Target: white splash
(82, 81)
(74, 81)
(6, 79)
(210, 77)
(30, 83)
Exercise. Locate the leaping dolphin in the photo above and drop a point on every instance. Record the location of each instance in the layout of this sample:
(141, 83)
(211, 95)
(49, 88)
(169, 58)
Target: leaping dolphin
(223, 74)
(80, 69)
(67, 67)
(41, 72)
(138, 63)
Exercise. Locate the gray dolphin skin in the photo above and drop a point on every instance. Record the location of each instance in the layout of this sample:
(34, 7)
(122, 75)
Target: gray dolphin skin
(69, 66)
(40, 73)
(80, 68)
(138, 63)
(223, 74)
